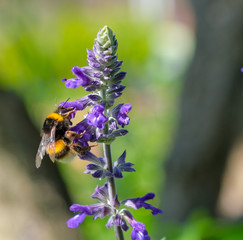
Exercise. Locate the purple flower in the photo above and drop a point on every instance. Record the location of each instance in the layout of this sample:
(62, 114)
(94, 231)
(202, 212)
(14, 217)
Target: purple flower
(109, 138)
(81, 80)
(118, 77)
(96, 117)
(93, 159)
(101, 193)
(82, 103)
(92, 60)
(122, 117)
(137, 203)
(139, 231)
(97, 167)
(72, 82)
(121, 166)
(120, 113)
(99, 210)
(114, 88)
(84, 78)
(97, 170)
(90, 134)
(117, 220)
(103, 124)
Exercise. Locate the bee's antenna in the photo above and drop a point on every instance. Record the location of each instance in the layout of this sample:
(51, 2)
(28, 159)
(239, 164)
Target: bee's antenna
(65, 102)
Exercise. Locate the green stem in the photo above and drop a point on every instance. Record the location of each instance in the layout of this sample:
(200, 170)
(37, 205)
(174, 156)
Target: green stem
(112, 187)
(110, 180)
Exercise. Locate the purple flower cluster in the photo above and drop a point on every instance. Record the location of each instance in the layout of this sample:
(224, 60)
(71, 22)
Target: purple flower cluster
(103, 124)
(103, 79)
(121, 216)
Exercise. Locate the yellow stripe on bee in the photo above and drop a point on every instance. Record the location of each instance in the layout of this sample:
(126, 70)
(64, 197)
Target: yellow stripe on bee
(55, 116)
(59, 146)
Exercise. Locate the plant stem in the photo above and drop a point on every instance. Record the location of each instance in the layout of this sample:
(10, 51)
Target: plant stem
(112, 187)
(110, 180)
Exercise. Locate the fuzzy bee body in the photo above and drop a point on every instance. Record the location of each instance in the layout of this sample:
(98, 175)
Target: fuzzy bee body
(60, 150)
(65, 150)
(57, 141)
(54, 128)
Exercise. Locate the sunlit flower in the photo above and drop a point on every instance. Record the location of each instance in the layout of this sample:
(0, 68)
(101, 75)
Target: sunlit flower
(121, 166)
(139, 231)
(99, 210)
(137, 203)
(96, 117)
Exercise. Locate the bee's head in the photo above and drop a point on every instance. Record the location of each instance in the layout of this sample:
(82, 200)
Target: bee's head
(65, 112)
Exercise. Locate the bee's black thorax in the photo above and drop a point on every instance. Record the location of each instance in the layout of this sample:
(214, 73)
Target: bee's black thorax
(61, 128)
(48, 125)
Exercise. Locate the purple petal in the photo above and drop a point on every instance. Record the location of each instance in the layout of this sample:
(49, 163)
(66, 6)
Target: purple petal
(155, 210)
(92, 167)
(127, 167)
(120, 113)
(115, 95)
(116, 88)
(119, 132)
(120, 221)
(110, 222)
(81, 103)
(119, 76)
(87, 209)
(104, 211)
(101, 193)
(148, 196)
(76, 207)
(98, 174)
(139, 231)
(117, 173)
(90, 54)
(89, 135)
(94, 97)
(137, 203)
(80, 73)
(122, 158)
(96, 117)
(92, 158)
(126, 108)
(76, 220)
(72, 82)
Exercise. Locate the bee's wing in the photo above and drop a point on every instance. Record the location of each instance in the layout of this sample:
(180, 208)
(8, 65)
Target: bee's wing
(41, 150)
(51, 145)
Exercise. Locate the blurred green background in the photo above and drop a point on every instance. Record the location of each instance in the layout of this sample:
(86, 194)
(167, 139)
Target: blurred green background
(40, 41)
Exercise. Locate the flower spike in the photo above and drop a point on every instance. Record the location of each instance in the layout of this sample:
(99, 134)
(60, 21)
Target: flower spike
(103, 123)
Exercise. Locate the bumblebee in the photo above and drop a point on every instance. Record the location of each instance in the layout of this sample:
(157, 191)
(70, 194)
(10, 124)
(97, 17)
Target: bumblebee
(54, 128)
(64, 149)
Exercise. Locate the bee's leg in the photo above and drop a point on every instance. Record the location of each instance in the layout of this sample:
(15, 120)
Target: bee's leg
(72, 134)
(80, 150)
(69, 112)
(94, 145)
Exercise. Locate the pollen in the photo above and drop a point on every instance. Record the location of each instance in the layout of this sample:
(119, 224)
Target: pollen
(55, 116)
